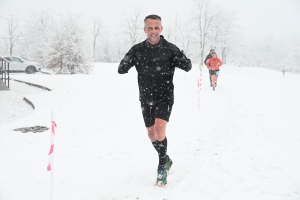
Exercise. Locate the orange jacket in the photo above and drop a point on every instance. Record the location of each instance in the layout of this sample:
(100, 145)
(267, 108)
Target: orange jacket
(214, 63)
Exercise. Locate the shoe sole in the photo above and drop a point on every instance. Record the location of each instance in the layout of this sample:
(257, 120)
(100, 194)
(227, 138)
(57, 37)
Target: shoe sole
(160, 183)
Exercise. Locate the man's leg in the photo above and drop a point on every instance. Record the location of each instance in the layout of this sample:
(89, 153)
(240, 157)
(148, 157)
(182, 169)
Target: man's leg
(156, 119)
(213, 79)
(157, 135)
(209, 72)
(216, 80)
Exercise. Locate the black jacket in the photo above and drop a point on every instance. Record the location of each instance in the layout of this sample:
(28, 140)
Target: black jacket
(207, 57)
(155, 65)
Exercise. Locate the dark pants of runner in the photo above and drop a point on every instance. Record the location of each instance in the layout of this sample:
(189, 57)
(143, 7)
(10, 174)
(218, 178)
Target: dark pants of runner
(210, 73)
(213, 72)
(160, 110)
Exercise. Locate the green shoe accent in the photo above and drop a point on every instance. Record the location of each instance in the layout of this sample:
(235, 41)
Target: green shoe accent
(168, 164)
(161, 175)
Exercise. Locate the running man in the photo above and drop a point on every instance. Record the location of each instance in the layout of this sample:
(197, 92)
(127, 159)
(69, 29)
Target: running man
(155, 60)
(214, 64)
(206, 59)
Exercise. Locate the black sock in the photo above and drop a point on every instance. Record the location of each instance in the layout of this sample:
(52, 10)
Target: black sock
(161, 148)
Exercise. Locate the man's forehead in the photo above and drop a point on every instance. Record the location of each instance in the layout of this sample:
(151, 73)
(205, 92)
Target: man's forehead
(153, 22)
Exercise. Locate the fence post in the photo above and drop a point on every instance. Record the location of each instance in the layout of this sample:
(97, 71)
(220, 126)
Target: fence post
(50, 166)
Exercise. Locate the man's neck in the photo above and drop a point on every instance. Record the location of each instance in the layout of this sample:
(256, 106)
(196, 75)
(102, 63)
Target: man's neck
(153, 43)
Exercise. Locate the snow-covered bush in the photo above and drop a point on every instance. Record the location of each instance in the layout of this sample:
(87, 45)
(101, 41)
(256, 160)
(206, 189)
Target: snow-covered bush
(66, 51)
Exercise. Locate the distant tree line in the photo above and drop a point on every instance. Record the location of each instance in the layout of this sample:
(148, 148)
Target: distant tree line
(68, 43)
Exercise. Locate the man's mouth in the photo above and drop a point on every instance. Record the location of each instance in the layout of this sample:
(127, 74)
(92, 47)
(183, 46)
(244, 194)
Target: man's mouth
(153, 36)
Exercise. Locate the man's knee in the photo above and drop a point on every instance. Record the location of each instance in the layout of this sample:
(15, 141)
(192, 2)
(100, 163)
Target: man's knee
(151, 133)
(160, 128)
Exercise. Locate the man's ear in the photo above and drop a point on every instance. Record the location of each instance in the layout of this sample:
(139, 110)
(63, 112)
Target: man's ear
(145, 29)
(162, 28)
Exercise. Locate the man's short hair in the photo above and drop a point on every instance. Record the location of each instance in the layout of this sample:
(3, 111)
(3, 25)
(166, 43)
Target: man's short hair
(152, 17)
(212, 50)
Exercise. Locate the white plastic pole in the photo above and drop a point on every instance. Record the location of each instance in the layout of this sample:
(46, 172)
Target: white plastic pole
(51, 157)
(199, 85)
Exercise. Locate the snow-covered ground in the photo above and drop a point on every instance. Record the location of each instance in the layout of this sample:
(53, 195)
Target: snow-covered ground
(243, 142)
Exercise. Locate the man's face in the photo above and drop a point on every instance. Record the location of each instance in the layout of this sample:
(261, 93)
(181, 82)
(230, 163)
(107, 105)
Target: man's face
(214, 55)
(153, 29)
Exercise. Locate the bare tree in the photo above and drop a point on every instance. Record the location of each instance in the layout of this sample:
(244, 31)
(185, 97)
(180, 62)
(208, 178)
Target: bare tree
(120, 48)
(39, 28)
(4, 48)
(134, 27)
(203, 18)
(106, 48)
(214, 33)
(227, 36)
(175, 29)
(13, 33)
(172, 31)
(97, 29)
(168, 33)
(185, 36)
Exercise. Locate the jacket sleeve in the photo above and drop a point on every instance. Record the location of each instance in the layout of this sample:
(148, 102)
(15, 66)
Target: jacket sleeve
(127, 62)
(206, 59)
(207, 63)
(220, 62)
(182, 62)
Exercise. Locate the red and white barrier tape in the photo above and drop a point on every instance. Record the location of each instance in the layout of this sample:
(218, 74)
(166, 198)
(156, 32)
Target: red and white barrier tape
(53, 126)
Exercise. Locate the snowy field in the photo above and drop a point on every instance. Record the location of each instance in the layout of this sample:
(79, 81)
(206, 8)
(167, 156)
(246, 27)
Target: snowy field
(243, 142)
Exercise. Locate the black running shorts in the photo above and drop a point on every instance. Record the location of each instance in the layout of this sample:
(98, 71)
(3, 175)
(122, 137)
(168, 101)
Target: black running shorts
(160, 110)
(214, 72)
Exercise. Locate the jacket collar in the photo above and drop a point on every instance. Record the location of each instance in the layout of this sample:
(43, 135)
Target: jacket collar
(158, 45)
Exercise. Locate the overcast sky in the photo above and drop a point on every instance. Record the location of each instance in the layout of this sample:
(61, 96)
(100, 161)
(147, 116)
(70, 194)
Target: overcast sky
(257, 17)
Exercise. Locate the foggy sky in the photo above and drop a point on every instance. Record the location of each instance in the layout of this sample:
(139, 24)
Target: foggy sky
(256, 17)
